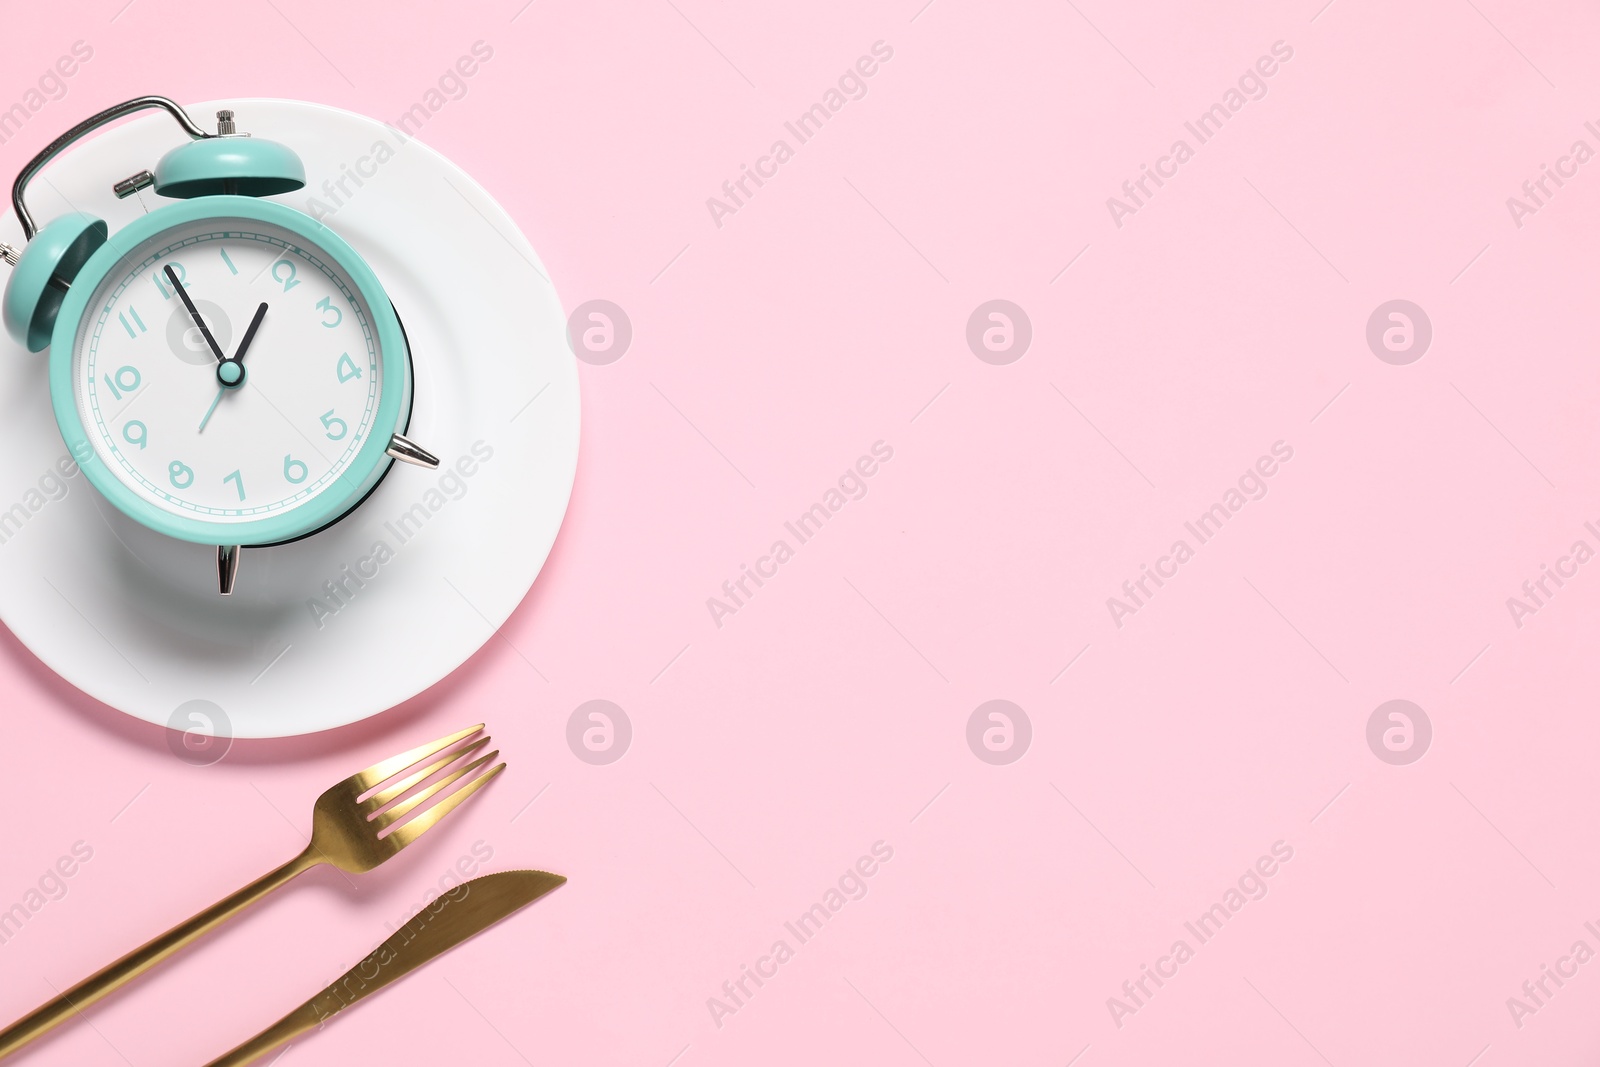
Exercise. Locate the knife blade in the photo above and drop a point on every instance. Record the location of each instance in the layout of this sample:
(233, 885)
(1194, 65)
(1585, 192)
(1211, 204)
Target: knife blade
(460, 913)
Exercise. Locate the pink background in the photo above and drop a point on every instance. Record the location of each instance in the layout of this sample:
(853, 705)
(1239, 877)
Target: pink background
(830, 712)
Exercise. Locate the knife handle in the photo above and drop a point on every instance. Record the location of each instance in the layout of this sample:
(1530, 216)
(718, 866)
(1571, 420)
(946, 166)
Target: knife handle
(304, 1018)
(116, 975)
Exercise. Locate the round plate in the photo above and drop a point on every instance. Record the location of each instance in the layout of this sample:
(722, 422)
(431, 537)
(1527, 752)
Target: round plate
(371, 612)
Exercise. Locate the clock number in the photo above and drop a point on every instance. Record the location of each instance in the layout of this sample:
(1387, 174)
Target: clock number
(238, 480)
(347, 368)
(137, 321)
(127, 379)
(326, 304)
(328, 422)
(182, 477)
(294, 470)
(135, 433)
(288, 281)
(159, 277)
(226, 260)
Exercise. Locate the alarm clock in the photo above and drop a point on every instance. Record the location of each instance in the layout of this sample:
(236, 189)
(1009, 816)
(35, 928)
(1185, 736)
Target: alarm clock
(187, 424)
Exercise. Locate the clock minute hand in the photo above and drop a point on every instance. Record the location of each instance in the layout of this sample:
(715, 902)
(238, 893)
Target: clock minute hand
(194, 312)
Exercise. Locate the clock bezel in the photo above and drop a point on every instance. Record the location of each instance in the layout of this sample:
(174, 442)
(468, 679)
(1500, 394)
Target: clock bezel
(371, 461)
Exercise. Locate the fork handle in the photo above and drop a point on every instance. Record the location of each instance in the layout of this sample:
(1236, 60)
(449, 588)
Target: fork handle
(116, 975)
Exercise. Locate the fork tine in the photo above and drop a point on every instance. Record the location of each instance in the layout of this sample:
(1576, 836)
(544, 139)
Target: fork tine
(410, 804)
(379, 773)
(378, 800)
(404, 835)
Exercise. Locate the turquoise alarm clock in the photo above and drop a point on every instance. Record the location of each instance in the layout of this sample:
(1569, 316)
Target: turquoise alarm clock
(226, 370)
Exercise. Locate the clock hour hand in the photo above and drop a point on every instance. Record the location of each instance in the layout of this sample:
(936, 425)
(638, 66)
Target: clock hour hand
(250, 332)
(194, 312)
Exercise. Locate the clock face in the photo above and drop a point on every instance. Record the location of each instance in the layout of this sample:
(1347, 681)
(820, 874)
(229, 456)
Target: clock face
(166, 416)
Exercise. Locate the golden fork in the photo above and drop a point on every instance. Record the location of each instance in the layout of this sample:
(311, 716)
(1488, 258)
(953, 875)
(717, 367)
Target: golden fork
(346, 825)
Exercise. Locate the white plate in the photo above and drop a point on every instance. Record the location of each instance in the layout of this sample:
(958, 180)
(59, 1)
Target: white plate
(133, 618)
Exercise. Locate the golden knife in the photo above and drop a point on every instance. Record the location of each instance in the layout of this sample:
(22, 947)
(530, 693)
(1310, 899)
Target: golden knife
(466, 910)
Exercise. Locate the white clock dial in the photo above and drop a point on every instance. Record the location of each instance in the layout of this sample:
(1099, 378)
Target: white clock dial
(148, 390)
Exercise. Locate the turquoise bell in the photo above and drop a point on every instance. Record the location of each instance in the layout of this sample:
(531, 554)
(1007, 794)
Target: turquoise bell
(229, 164)
(43, 272)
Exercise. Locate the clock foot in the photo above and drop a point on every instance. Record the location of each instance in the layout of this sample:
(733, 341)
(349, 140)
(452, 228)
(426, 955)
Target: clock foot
(227, 568)
(404, 448)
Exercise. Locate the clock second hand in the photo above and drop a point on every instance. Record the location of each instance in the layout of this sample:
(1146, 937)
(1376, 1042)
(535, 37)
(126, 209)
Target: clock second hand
(218, 399)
